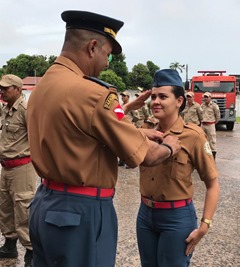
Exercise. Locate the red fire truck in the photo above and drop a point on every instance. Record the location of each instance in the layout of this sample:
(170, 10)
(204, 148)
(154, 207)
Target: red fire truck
(223, 90)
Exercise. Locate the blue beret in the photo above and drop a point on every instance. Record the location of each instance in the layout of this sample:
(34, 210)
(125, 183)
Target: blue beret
(167, 77)
(94, 22)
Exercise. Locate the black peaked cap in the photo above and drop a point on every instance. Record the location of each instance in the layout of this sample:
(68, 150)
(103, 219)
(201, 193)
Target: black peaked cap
(94, 22)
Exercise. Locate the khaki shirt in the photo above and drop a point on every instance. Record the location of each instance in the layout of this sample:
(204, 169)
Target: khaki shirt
(193, 113)
(14, 139)
(75, 135)
(171, 179)
(143, 116)
(211, 112)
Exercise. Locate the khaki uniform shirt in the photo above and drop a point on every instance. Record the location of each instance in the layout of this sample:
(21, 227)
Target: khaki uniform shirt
(211, 112)
(75, 135)
(171, 179)
(14, 138)
(143, 116)
(193, 113)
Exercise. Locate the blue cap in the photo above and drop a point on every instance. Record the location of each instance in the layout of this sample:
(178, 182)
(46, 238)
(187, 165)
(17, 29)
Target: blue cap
(167, 77)
(94, 22)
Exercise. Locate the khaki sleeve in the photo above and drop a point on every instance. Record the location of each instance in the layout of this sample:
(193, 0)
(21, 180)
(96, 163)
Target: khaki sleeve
(203, 159)
(216, 113)
(119, 134)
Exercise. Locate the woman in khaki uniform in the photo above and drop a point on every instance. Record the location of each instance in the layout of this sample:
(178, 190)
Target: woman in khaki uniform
(167, 228)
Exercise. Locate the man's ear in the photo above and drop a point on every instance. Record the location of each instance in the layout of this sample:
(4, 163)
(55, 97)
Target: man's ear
(91, 47)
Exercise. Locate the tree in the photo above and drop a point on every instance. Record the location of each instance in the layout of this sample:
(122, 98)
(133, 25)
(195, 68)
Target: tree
(152, 68)
(140, 77)
(177, 66)
(25, 65)
(119, 66)
(109, 76)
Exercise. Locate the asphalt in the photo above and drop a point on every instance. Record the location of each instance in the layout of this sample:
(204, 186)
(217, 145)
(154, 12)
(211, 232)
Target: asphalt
(219, 248)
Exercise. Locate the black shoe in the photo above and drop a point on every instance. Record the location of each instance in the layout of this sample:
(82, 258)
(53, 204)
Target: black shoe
(28, 258)
(121, 163)
(9, 249)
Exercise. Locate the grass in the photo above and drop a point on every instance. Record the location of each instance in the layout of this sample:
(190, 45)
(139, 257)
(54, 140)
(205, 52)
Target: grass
(238, 119)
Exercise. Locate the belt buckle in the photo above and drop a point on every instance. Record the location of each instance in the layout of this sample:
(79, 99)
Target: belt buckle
(149, 203)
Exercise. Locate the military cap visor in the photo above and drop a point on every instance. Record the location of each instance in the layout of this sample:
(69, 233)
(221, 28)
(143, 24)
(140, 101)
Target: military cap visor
(94, 22)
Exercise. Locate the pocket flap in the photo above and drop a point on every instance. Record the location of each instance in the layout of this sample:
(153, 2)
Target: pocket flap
(63, 218)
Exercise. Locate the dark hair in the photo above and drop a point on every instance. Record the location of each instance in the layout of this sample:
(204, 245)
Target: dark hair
(179, 91)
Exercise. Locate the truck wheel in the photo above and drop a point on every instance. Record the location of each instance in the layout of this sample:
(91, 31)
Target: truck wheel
(230, 126)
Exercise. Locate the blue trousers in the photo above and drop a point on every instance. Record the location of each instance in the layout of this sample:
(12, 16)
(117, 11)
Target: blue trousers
(69, 230)
(161, 235)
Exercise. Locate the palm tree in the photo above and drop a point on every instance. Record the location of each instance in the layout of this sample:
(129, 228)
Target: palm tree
(177, 66)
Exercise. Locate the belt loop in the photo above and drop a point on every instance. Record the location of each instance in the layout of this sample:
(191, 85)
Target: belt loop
(187, 201)
(65, 188)
(172, 204)
(98, 192)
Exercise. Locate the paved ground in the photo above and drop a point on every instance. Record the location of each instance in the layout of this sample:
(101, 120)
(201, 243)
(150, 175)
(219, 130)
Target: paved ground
(221, 247)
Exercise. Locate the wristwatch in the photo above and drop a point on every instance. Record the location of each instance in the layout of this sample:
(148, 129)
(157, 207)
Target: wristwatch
(208, 222)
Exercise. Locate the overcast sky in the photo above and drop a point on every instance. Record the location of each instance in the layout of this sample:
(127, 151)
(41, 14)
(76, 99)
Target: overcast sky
(201, 33)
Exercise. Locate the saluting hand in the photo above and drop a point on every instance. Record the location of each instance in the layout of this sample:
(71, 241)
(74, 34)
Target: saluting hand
(137, 102)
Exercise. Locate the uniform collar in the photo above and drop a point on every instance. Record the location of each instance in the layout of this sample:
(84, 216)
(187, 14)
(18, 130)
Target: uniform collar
(16, 103)
(69, 64)
(14, 106)
(177, 128)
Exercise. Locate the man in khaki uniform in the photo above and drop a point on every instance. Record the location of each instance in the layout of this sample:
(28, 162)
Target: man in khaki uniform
(133, 115)
(143, 114)
(193, 112)
(18, 177)
(211, 116)
(77, 129)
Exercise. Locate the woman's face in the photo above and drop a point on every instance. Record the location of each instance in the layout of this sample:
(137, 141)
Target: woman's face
(164, 104)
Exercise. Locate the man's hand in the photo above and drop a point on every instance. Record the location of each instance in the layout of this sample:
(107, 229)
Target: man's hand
(153, 134)
(137, 103)
(173, 142)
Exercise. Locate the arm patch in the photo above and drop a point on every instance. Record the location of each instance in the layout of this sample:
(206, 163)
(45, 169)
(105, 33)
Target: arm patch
(109, 100)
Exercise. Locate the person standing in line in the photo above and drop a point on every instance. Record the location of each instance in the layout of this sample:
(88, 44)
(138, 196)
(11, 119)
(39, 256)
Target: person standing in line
(142, 114)
(18, 177)
(193, 112)
(167, 231)
(211, 116)
(77, 130)
(132, 114)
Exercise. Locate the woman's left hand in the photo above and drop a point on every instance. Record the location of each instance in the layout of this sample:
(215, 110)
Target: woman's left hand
(193, 239)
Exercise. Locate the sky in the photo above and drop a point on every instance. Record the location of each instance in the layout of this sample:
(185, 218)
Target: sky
(202, 34)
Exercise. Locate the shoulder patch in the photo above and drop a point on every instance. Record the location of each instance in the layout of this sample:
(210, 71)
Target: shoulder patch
(119, 112)
(109, 100)
(207, 148)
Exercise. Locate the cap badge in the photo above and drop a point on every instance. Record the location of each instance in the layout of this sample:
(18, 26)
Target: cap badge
(110, 31)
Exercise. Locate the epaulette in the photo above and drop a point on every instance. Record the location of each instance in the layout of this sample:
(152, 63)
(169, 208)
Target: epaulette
(100, 82)
(193, 127)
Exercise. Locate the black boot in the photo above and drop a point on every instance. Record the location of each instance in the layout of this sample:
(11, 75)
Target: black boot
(121, 163)
(9, 249)
(214, 154)
(28, 258)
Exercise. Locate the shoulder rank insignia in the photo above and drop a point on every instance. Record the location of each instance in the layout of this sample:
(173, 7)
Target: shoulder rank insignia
(100, 82)
(109, 100)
